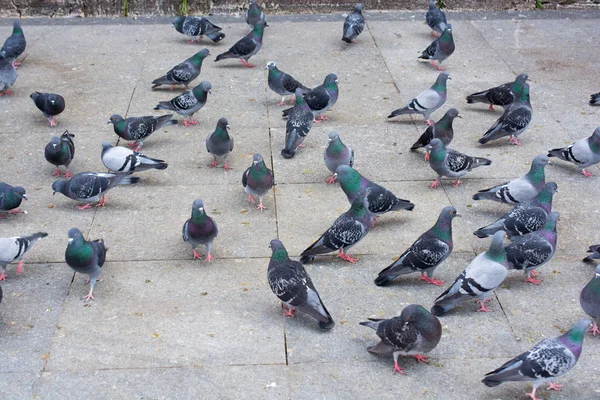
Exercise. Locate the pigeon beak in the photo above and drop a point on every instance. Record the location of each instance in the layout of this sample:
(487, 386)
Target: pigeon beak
(53, 193)
(449, 78)
(70, 240)
(458, 116)
(458, 215)
(109, 122)
(336, 81)
(335, 175)
(210, 91)
(25, 197)
(549, 163)
(228, 127)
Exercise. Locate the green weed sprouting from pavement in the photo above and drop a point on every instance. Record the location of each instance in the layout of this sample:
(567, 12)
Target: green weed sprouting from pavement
(125, 7)
(538, 5)
(440, 4)
(184, 8)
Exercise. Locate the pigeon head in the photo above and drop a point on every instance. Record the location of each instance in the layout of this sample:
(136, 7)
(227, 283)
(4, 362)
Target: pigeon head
(198, 205)
(106, 146)
(278, 249)
(20, 192)
(201, 55)
(251, 2)
(496, 251)
(331, 80)
(453, 113)
(17, 28)
(417, 315)
(259, 27)
(349, 178)
(114, 119)
(74, 234)
(450, 212)
(205, 86)
(271, 65)
(59, 186)
(34, 95)
(177, 23)
(432, 4)
(333, 135)
(223, 123)
(574, 337)
(440, 83)
(52, 99)
(198, 214)
(257, 159)
(437, 149)
(358, 7)
(55, 141)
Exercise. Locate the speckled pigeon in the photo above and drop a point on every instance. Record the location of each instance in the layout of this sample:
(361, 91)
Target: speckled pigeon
(502, 95)
(184, 73)
(547, 360)
(50, 104)
(254, 14)
(120, 159)
(283, 83)
(200, 229)
(583, 153)
(10, 199)
(220, 144)
(336, 154)
(354, 24)
(8, 77)
(442, 130)
(594, 253)
(292, 285)
(298, 125)
(428, 101)
(197, 27)
(451, 163)
(60, 151)
(590, 300)
(440, 49)
(14, 45)
(258, 180)
(14, 248)
(85, 257)
(188, 103)
(481, 277)
(415, 332)
(90, 187)
(436, 19)
(139, 128)
(247, 46)
(521, 189)
(525, 217)
(425, 254)
(321, 98)
(595, 99)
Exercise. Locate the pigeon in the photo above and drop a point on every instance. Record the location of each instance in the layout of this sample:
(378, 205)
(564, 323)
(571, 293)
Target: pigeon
(546, 360)
(184, 73)
(197, 27)
(321, 98)
(200, 229)
(220, 144)
(532, 250)
(583, 153)
(595, 253)
(50, 104)
(442, 130)
(188, 103)
(85, 257)
(415, 332)
(247, 46)
(428, 101)
(120, 159)
(282, 83)
(254, 14)
(14, 248)
(139, 128)
(347, 230)
(379, 199)
(89, 187)
(8, 76)
(521, 189)
(425, 254)
(502, 95)
(436, 19)
(448, 162)
(590, 300)
(10, 199)
(14, 46)
(595, 99)
(514, 121)
(297, 127)
(440, 49)
(60, 151)
(336, 154)
(257, 180)
(481, 277)
(354, 24)
(525, 217)
(292, 285)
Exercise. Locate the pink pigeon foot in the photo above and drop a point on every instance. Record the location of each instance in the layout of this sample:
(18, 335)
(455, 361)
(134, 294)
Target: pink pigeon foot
(3, 276)
(427, 157)
(102, 202)
(434, 34)
(88, 297)
(421, 358)
(514, 140)
(16, 64)
(482, 308)
(68, 174)
(197, 256)
(436, 66)
(430, 280)
(20, 267)
(584, 172)
(594, 329)
(322, 118)
(288, 312)
(209, 257)
(84, 207)
(330, 180)
(428, 122)
(398, 369)
(213, 164)
(132, 145)
(16, 211)
(532, 395)
(56, 173)
(531, 278)
(491, 107)
(373, 222)
(226, 166)
(456, 183)
(199, 38)
(282, 102)
(52, 121)
(260, 206)
(250, 199)
(554, 386)
(246, 64)
(346, 257)
(434, 184)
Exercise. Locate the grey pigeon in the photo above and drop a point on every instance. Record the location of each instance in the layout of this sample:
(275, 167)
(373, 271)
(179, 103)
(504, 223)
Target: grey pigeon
(583, 153)
(247, 46)
(594, 253)
(347, 230)
(321, 98)
(283, 83)
(442, 130)
(436, 19)
(10, 199)
(220, 144)
(514, 121)
(50, 104)
(298, 125)
(200, 229)
(521, 189)
(547, 360)
(258, 180)
(528, 252)
(336, 154)
(379, 199)
(14, 46)
(502, 95)
(85, 257)
(292, 285)
(595, 99)
(119, 159)
(590, 300)
(428, 101)
(188, 103)
(60, 151)
(184, 73)
(197, 27)
(354, 24)
(525, 217)
(481, 277)
(451, 163)
(14, 248)
(139, 128)
(425, 254)
(415, 332)
(254, 14)
(440, 49)
(89, 187)
(8, 76)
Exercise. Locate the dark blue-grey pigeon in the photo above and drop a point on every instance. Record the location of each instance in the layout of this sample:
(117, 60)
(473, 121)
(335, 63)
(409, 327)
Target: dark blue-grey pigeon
(197, 27)
(594, 253)
(120, 159)
(60, 151)
(11, 198)
(137, 129)
(428, 101)
(442, 130)
(298, 125)
(188, 103)
(502, 95)
(595, 99)
(583, 153)
(258, 180)
(90, 187)
(440, 49)
(353, 24)
(50, 104)
(451, 163)
(14, 248)
(14, 45)
(436, 19)
(200, 229)
(220, 143)
(85, 257)
(283, 83)
(247, 46)
(321, 98)
(8, 76)
(184, 73)
(589, 299)
(336, 154)
(254, 14)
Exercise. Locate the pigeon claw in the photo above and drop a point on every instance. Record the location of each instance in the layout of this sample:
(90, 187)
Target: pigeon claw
(88, 297)
(585, 173)
(482, 308)
(514, 140)
(132, 145)
(260, 206)
(434, 184)
(3, 276)
(209, 257)
(427, 157)
(52, 121)
(594, 329)
(346, 257)
(102, 202)
(57, 172)
(330, 180)
(84, 207)
(421, 358)
(428, 122)
(288, 312)
(430, 280)
(197, 256)
(67, 174)
(246, 63)
(456, 183)
(20, 267)
(226, 166)
(531, 278)
(491, 107)
(250, 199)
(554, 386)
(532, 395)
(213, 164)
(398, 369)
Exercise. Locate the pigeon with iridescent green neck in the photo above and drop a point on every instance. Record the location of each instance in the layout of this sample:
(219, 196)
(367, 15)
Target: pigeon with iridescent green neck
(297, 127)
(197, 27)
(184, 73)
(60, 151)
(451, 163)
(440, 49)
(521, 189)
(481, 277)
(583, 153)
(220, 144)
(200, 229)
(283, 83)
(353, 24)
(137, 129)
(14, 46)
(258, 180)
(590, 300)
(11, 198)
(441, 130)
(247, 46)
(85, 257)
(547, 360)
(336, 154)
(321, 98)
(14, 248)
(436, 19)
(8, 76)
(428, 101)
(502, 95)
(188, 103)
(425, 254)
(254, 14)
(530, 251)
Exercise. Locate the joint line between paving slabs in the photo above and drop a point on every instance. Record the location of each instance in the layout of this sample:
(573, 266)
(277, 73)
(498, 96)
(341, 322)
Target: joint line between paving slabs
(493, 48)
